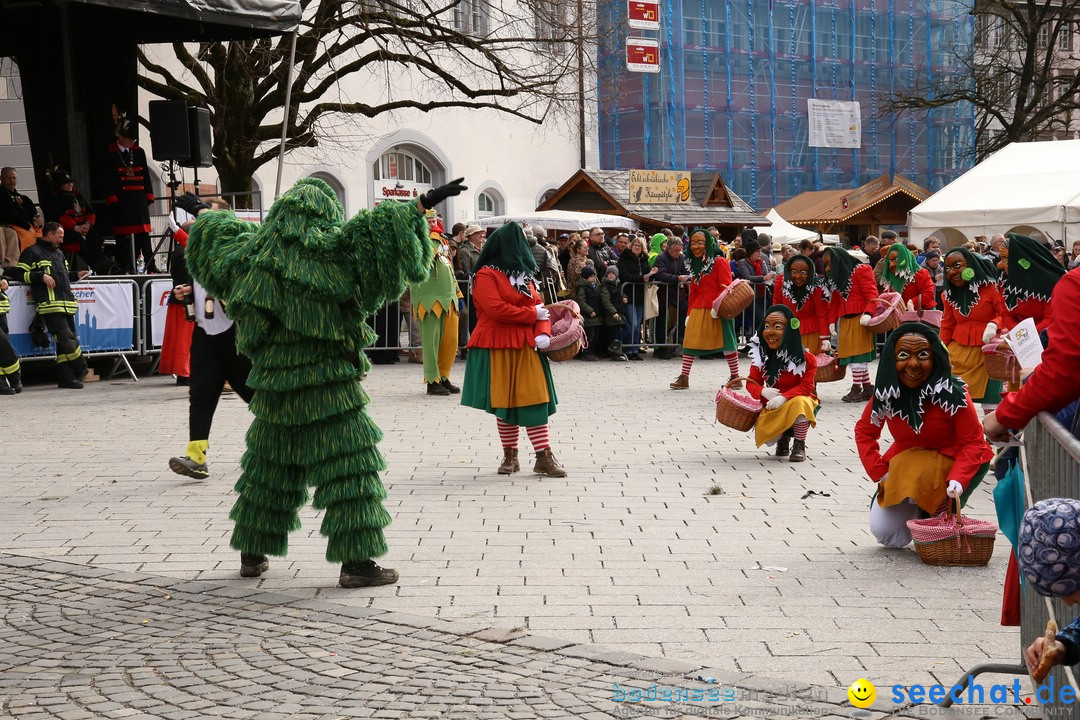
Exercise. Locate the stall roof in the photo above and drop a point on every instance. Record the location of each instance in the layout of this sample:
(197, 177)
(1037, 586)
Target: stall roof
(608, 191)
(562, 220)
(837, 206)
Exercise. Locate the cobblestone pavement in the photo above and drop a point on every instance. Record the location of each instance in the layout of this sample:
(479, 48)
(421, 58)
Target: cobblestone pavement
(631, 551)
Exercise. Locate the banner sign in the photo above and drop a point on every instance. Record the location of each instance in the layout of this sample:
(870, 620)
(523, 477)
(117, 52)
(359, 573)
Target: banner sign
(642, 55)
(157, 298)
(103, 322)
(659, 186)
(643, 14)
(834, 123)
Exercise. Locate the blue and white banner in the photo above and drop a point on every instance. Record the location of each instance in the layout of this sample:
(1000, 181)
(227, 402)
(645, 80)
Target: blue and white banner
(157, 305)
(104, 321)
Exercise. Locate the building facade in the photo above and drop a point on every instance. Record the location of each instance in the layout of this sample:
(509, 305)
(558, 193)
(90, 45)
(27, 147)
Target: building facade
(735, 76)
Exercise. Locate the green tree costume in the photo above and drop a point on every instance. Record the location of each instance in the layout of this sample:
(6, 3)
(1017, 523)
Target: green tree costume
(300, 287)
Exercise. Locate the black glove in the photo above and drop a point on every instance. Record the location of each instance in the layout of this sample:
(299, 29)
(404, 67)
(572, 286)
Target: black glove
(434, 196)
(191, 204)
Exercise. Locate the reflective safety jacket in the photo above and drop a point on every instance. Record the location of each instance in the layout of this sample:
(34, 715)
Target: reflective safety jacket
(42, 259)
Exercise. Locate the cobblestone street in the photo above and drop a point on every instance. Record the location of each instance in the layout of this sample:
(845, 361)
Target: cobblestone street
(673, 549)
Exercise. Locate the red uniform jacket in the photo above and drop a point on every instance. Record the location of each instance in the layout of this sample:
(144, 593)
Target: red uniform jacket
(1033, 308)
(861, 299)
(703, 292)
(505, 318)
(130, 192)
(814, 316)
(789, 384)
(1056, 381)
(958, 436)
(921, 287)
(969, 330)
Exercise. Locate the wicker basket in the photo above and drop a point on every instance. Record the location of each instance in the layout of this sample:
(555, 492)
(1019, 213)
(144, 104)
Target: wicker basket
(949, 539)
(736, 410)
(567, 332)
(1000, 362)
(737, 297)
(889, 314)
(829, 369)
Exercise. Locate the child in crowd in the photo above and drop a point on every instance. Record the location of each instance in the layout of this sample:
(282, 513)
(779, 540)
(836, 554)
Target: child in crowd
(615, 318)
(588, 299)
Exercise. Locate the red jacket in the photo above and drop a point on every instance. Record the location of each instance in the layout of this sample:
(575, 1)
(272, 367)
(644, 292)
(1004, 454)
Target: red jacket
(922, 286)
(789, 384)
(969, 330)
(1056, 381)
(861, 299)
(703, 292)
(505, 318)
(1033, 308)
(958, 436)
(814, 316)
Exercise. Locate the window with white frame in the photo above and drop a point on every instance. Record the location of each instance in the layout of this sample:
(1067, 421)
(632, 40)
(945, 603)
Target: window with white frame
(471, 17)
(397, 165)
(552, 24)
(486, 204)
(1065, 36)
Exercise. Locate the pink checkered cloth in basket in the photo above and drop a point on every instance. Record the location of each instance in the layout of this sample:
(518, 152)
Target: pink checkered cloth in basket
(890, 302)
(943, 527)
(739, 399)
(566, 326)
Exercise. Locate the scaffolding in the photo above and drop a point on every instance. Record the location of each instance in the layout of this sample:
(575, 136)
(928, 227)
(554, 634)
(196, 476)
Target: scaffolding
(736, 75)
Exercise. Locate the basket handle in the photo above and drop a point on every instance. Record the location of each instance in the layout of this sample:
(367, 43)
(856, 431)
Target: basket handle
(567, 307)
(740, 378)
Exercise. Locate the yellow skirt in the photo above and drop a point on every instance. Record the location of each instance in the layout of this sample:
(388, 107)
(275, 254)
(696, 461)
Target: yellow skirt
(517, 378)
(855, 343)
(969, 365)
(771, 424)
(812, 342)
(703, 331)
(919, 474)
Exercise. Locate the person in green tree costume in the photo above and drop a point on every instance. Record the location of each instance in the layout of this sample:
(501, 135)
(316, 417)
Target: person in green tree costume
(300, 287)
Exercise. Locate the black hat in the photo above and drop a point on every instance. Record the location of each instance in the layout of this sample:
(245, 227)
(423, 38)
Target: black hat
(59, 177)
(587, 272)
(126, 127)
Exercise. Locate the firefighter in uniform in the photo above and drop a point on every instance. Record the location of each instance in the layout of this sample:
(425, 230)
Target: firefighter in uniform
(42, 267)
(130, 197)
(10, 373)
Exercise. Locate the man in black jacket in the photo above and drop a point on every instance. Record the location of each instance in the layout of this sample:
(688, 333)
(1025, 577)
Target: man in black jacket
(672, 272)
(17, 214)
(42, 267)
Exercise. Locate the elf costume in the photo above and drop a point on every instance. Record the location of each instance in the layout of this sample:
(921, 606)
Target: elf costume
(300, 287)
(912, 282)
(808, 302)
(782, 378)
(973, 313)
(1028, 276)
(435, 303)
(707, 334)
(937, 437)
(504, 374)
(853, 299)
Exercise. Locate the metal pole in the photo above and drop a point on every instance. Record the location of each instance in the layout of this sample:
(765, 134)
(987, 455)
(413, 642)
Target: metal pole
(581, 80)
(287, 114)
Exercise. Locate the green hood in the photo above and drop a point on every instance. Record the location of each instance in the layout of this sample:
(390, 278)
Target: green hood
(1033, 271)
(799, 295)
(892, 398)
(789, 356)
(654, 246)
(704, 266)
(906, 267)
(842, 264)
(965, 296)
(507, 251)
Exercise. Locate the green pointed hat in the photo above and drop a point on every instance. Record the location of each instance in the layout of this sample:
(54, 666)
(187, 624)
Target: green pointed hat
(906, 267)
(507, 251)
(1033, 271)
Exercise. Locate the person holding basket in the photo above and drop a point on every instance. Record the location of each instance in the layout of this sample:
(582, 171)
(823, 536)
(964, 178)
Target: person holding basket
(799, 290)
(938, 450)
(851, 306)
(974, 311)
(902, 274)
(782, 379)
(504, 374)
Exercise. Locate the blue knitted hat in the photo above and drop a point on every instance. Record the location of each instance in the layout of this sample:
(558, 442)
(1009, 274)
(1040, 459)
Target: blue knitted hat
(1049, 551)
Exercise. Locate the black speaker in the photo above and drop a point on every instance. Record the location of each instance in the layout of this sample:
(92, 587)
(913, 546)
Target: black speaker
(199, 130)
(169, 130)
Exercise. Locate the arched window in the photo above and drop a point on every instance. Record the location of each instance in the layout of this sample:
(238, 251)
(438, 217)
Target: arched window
(485, 205)
(397, 165)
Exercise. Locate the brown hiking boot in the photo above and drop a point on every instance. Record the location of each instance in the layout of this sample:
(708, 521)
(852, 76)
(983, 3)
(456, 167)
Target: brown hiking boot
(867, 392)
(681, 383)
(783, 445)
(798, 451)
(546, 464)
(509, 462)
(854, 395)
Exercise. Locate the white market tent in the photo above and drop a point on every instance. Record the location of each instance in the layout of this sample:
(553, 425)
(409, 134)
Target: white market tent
(1026, 187)
(784, 232)
(562, 220)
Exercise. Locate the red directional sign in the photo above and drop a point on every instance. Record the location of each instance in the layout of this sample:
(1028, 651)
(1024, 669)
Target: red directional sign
(644, 14)
(642, 55)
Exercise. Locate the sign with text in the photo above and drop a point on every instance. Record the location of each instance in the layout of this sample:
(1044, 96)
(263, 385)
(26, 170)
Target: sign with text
(834, 123)
(659, 186)
(642, 55)
(643, 14)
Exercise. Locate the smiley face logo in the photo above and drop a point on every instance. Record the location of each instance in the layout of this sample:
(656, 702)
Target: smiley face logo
(862, 693)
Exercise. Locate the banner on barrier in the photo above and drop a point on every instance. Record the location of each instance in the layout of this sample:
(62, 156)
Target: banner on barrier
(157, 296)
(103, 322)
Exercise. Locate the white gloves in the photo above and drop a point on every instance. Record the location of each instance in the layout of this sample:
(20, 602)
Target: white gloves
(826, 345)
(955, 489)
(542, 313)
(542, 342)
(832, 328)
(776, 402)
(864, 320)
(990, 332)
(715, 315)
(769, 393)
